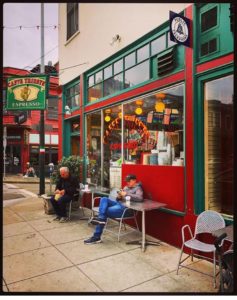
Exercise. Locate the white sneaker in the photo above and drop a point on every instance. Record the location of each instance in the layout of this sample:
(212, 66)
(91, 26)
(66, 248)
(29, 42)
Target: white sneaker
(63, 220)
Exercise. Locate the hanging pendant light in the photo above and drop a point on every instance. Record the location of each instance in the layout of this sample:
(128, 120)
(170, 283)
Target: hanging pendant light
(160, 106)
(107, 116)
(138, 110)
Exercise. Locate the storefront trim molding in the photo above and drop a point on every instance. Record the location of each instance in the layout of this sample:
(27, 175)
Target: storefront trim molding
(146, 87)
(173, 212)
(217, 63)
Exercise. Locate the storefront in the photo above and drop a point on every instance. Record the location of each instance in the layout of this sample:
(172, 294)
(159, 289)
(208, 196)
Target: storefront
(22, 128)
(164, 112)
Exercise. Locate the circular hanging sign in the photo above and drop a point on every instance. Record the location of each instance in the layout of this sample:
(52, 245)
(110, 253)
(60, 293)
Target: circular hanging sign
(179, 29)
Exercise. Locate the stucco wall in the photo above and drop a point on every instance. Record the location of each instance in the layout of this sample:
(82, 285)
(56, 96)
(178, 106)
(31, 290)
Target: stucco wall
(98, 23)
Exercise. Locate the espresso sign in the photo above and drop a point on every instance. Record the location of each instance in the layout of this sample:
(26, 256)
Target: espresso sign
(26, 93)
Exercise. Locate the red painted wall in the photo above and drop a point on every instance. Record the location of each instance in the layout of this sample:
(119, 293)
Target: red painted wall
(164, 183)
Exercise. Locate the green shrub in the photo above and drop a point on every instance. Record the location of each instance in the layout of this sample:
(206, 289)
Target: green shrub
(73, 163)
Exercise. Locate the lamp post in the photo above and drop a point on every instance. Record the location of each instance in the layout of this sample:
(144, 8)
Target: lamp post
(42, 145)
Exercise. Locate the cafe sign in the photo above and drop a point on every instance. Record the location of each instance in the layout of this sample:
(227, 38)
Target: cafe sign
(26, 93)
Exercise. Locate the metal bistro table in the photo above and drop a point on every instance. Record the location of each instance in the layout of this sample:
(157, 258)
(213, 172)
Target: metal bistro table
(102, 191)
(147, 205)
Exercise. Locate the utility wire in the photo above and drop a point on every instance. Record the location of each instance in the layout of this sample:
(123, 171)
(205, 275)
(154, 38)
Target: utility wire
(74, 66)
(66, 68)
(28, 66)
(36, 26)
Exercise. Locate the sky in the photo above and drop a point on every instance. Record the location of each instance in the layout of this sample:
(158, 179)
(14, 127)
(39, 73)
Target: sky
(22, 47)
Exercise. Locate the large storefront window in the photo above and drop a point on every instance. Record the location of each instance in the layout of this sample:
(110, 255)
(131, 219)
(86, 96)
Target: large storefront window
(218, 141)
(112, 146)
(94, 147)
(153, 129)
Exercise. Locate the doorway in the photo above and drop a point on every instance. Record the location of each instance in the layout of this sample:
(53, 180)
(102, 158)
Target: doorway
(13, 159)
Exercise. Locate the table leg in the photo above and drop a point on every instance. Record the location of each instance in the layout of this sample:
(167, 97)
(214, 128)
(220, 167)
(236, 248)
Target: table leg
(143, 232)
(143, 242)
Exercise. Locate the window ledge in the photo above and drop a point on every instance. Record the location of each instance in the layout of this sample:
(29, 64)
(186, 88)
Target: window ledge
(71, 38)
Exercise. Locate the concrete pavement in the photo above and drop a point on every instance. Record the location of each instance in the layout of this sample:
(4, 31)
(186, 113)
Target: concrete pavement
(41, 255)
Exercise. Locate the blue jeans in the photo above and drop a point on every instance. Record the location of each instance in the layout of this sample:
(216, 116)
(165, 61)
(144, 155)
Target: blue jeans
(60, 206)
(108, 208)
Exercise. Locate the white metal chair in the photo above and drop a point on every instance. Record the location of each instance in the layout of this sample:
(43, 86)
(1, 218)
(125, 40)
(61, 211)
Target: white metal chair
(207, 222)
(125, 216)
(95, 208)
(128, 214)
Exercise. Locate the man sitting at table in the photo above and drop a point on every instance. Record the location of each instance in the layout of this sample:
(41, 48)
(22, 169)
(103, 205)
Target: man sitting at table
(115, 208)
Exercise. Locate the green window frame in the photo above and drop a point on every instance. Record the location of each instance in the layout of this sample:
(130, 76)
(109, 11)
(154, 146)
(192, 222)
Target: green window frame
(72, 95)
(216, 40)
(98, 90)
(199, 157)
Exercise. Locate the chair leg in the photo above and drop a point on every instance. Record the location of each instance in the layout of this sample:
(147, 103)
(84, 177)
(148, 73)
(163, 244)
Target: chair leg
(214, 272)
(106, 224)
(191, 254)
(180, 256)
(120, 227)
(70, 210)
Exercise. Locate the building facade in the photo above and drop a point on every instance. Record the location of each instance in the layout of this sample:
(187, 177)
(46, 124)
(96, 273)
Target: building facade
(22, 128)
(154, 108)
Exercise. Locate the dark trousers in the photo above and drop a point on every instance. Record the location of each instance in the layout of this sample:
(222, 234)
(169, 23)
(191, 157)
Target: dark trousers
(60, 206)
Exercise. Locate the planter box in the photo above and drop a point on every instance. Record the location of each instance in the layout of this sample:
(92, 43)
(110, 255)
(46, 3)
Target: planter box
(48, 208)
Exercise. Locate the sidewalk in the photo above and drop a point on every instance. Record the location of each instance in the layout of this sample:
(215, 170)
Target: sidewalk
(40, 255)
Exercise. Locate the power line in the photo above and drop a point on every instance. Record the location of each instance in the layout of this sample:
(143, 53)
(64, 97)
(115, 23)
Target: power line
(35, 26)
(28, 66)
(74, 66)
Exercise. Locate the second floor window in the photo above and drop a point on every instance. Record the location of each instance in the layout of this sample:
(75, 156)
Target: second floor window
(52, 111)
(72, 19)
(73, 95)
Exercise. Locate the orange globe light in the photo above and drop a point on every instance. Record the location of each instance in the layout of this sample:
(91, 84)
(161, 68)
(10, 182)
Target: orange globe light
(138, 110)
(159, 107)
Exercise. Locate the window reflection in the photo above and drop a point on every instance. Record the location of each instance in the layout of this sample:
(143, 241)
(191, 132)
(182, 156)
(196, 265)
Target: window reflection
(73, 95)
(137, 74)
(218, 111)
(118, 66)
(108, 72)
(143, 53)
(158, 45)
(95, 92)
(112, 140)
(94, 148)
(153, 129)
(113, 84)
(130, 60)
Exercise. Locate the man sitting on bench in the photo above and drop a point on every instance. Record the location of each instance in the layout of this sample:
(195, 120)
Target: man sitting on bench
(115, 208)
